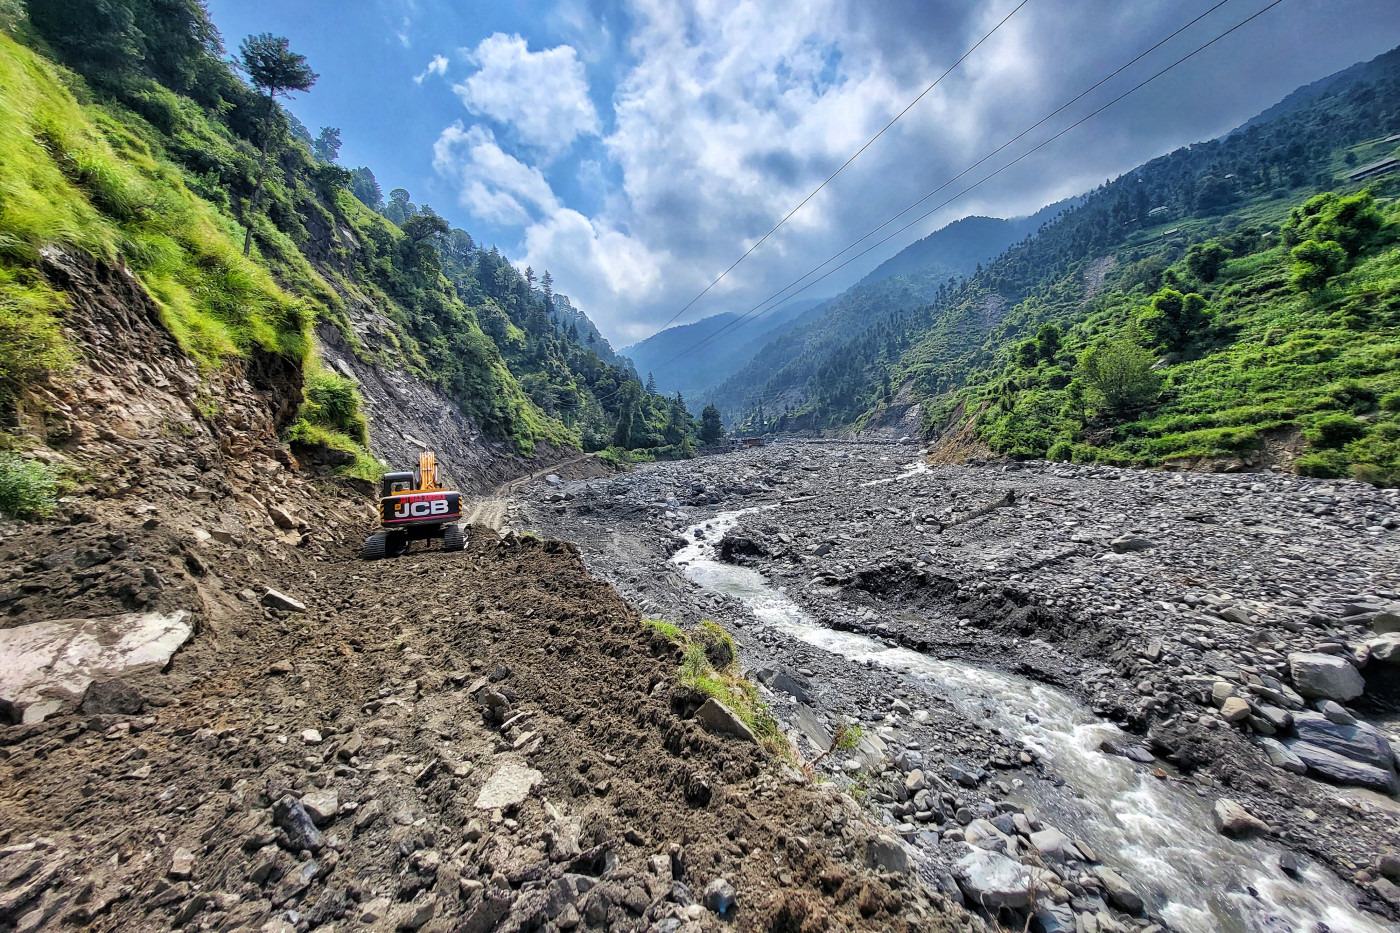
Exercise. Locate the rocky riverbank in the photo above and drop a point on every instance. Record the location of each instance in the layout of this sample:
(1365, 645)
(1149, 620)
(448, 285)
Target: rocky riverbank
(1239, 628)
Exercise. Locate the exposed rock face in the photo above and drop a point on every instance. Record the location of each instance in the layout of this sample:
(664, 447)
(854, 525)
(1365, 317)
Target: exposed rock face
(714, 716)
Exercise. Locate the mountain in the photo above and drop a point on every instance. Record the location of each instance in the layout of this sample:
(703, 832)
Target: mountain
(732, 341)
(1246, 284)
(909, 279)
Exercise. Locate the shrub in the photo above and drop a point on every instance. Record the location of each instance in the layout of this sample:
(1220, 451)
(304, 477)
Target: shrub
(1326, 464)
(1336, 431)
(1375, 475)
(1351, 394)
(1390, 402)
(334, 401)
(1061, 451)
(27, 488)
(1121, 373)
(718, 646)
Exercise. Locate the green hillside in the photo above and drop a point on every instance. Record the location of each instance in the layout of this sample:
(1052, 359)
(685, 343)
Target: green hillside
(1219, 209)
(144, 147)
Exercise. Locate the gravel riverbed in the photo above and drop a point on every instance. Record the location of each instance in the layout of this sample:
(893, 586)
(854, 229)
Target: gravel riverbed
(1227, 642)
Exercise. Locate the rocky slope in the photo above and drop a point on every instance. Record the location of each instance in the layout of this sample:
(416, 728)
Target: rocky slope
(1239, 628)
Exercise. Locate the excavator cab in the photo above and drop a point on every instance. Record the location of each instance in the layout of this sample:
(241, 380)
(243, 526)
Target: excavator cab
(415, 507)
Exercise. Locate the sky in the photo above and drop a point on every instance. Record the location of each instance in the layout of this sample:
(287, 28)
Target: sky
(635, 149)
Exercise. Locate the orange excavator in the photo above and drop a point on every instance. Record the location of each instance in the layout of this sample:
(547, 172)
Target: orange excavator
(415, 507)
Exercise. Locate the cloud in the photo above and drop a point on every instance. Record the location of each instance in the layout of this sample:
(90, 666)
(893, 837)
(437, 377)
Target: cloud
(541, 96)
(438, 66)
(493, 184)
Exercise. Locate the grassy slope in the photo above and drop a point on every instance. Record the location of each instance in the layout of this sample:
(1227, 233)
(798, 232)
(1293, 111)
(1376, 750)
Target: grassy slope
(1274, 360)
(127, 187)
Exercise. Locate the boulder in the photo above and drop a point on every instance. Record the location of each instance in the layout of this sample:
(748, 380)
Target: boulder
(1339, 769)
(1326, 676)
(719, 896)
(1385, 649)
(1232, 819)
(321, 805)
(993, 881)
(887, 854)
(1117, 891)
(715, 717)
(1129, 543)
(1359, 741)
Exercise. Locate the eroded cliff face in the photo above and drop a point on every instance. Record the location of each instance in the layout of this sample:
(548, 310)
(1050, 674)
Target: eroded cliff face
(407, 415)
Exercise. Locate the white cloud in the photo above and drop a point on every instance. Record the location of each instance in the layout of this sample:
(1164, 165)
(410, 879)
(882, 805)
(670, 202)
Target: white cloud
(542, 96)
(438, 66)
(472, 157)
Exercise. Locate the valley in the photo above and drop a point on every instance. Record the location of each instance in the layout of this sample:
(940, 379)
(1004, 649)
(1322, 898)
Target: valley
(1040, 655)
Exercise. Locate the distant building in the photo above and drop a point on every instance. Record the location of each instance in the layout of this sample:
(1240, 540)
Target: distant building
(1157, 211)
(1383, 167)
(753, 442)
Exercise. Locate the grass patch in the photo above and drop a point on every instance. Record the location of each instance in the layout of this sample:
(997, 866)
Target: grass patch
(28, 489)
(723, 682)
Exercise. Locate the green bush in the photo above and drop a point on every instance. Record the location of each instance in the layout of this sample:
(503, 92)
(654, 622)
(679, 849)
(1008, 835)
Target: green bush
(334, 401)
(27, 488)
(1391, 402)
(1061, 451)
(1336, 431)
(1326, 464)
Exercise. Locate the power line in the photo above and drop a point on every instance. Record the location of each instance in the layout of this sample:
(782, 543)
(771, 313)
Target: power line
(986, 177)
(738, 322)
(829, 178)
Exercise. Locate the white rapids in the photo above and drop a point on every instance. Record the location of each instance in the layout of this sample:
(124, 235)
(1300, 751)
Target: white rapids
(1155, 833)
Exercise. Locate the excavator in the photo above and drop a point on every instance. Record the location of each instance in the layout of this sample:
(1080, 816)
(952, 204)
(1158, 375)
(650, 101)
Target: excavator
(415, 507)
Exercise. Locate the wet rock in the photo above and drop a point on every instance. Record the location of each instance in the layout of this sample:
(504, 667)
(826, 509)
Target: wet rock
(507, 786)
(291, 816)
(1325, 676)
(277, 600)
(1050, 841)
(1232, 819)
(714, 716)
(112, 698)
(1118, 892)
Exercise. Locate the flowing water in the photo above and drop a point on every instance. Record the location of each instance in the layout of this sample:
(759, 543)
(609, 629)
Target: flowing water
(1156, 833)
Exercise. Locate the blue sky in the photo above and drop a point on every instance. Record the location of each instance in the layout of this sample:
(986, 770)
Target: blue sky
(636, 148)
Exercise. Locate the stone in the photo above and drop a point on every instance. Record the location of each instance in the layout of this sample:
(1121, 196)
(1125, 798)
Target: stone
(719, 896)
(1117, 891)
(311, 736)
(993, 880)
(282, 518)
(1232, 819)
(321, 805)
(1360, 741)
(291, 816)
(508, 786)
(715, 717)
(1325, 676)
(1335, 713)
(1339, 769)
(1050, 841)
(1234, 709)
(1281, 757)
(181, 864)
(64, 656)
(1129, 543)
(111, 698)
(277, 600)
(887, 854)
(915, 781)
(1389, 865)
(1385, 649)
